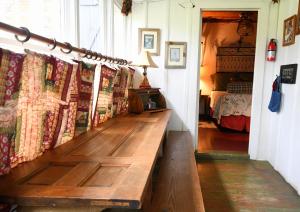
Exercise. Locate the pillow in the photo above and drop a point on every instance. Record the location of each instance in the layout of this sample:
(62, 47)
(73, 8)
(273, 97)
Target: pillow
(221, 79)
(240, 87)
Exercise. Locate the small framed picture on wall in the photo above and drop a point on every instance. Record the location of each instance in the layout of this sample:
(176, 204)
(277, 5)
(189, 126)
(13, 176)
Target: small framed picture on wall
(289, 30)
(149, 40)
(175, 57)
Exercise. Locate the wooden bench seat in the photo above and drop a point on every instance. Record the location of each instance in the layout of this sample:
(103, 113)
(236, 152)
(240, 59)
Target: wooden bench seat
(178, 185)
(176, 188)
(110, 166)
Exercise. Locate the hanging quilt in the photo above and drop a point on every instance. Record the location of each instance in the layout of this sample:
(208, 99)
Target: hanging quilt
(4, 56)
(119, 88)
(85, 81)
(52, 111)
(57, 78)
(10, 72)
(129, 84)
(43, 95)
(105, 97)
(32, 109)
(123, 81)
(70, 111)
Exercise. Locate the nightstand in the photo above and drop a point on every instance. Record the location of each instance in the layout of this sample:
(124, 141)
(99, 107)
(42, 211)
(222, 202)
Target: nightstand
(204, 102)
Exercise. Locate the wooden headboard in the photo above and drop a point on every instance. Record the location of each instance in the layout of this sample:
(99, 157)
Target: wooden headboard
(234, 64)
(235, 59)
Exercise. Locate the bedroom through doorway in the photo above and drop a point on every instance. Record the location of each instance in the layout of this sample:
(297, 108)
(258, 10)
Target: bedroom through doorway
(228, 45)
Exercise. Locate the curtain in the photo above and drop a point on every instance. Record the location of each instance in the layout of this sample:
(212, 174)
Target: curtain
(119, 88)
(45, 82)
(85, 79)
(10, 71)
(104, 104)
(45, 102)
(113, 93)
(129, 84)
(44, 97)
(123, 81)
(59, 78)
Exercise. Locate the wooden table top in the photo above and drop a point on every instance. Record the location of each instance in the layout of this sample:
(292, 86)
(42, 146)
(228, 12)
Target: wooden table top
(106, 167)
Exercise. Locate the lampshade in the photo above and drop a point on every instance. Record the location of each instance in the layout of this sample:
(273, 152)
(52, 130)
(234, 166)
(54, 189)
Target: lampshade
(144, 60)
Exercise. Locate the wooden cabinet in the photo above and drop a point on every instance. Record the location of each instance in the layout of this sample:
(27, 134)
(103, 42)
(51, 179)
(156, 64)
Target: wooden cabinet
(139, 99)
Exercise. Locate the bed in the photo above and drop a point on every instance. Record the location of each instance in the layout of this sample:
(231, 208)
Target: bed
(231, 97)
(233, 111)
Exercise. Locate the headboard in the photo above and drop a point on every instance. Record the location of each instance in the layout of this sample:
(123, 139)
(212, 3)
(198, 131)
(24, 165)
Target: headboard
(234, 64)
(235, 59)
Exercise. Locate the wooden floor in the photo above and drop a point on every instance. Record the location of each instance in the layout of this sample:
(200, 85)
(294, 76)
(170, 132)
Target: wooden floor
(212, 139)
(247, 186)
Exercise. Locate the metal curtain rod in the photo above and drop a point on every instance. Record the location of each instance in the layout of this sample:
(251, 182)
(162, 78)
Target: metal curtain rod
(65, 47)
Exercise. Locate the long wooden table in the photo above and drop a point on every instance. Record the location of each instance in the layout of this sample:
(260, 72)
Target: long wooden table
(110, 166)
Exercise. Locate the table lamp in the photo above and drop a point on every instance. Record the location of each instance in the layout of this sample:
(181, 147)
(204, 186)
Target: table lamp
(144, 60)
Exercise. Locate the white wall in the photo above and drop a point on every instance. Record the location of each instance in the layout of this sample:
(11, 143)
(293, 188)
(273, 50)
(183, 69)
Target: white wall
(274, 137)
(280, 135)
(165, 16)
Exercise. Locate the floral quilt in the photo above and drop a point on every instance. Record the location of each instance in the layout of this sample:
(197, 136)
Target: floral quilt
(233, 104)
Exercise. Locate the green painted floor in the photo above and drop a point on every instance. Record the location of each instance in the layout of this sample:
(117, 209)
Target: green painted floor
(244, 185)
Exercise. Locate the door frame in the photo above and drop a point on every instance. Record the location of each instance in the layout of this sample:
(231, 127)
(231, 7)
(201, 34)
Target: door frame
(195, 15)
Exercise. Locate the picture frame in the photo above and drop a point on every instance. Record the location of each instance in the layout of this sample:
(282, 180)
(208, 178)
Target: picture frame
(175, 55)
(289, 30)
(149, 40)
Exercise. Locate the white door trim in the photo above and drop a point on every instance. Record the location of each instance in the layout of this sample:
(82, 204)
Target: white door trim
(194, 52)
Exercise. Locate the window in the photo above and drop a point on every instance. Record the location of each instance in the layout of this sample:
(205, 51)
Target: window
(91, 27)
(41, 17)
(119, 32)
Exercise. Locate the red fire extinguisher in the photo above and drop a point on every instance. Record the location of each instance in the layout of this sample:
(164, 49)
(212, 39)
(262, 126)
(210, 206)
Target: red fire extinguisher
(272, 48)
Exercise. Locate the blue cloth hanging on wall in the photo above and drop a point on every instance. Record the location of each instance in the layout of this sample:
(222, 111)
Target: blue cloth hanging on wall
(275, 101)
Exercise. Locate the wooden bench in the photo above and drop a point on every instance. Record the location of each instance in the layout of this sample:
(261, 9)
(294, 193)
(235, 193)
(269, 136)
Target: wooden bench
(108, 167)
(178, 185)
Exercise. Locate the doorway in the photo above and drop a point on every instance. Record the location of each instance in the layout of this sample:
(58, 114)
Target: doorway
(228, 43)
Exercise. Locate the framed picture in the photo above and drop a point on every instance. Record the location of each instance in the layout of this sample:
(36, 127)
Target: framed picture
(175, 57)
(289, 31)
(149, 40)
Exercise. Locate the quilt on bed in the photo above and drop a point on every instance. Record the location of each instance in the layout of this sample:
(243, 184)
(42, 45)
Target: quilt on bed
(233, 104)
